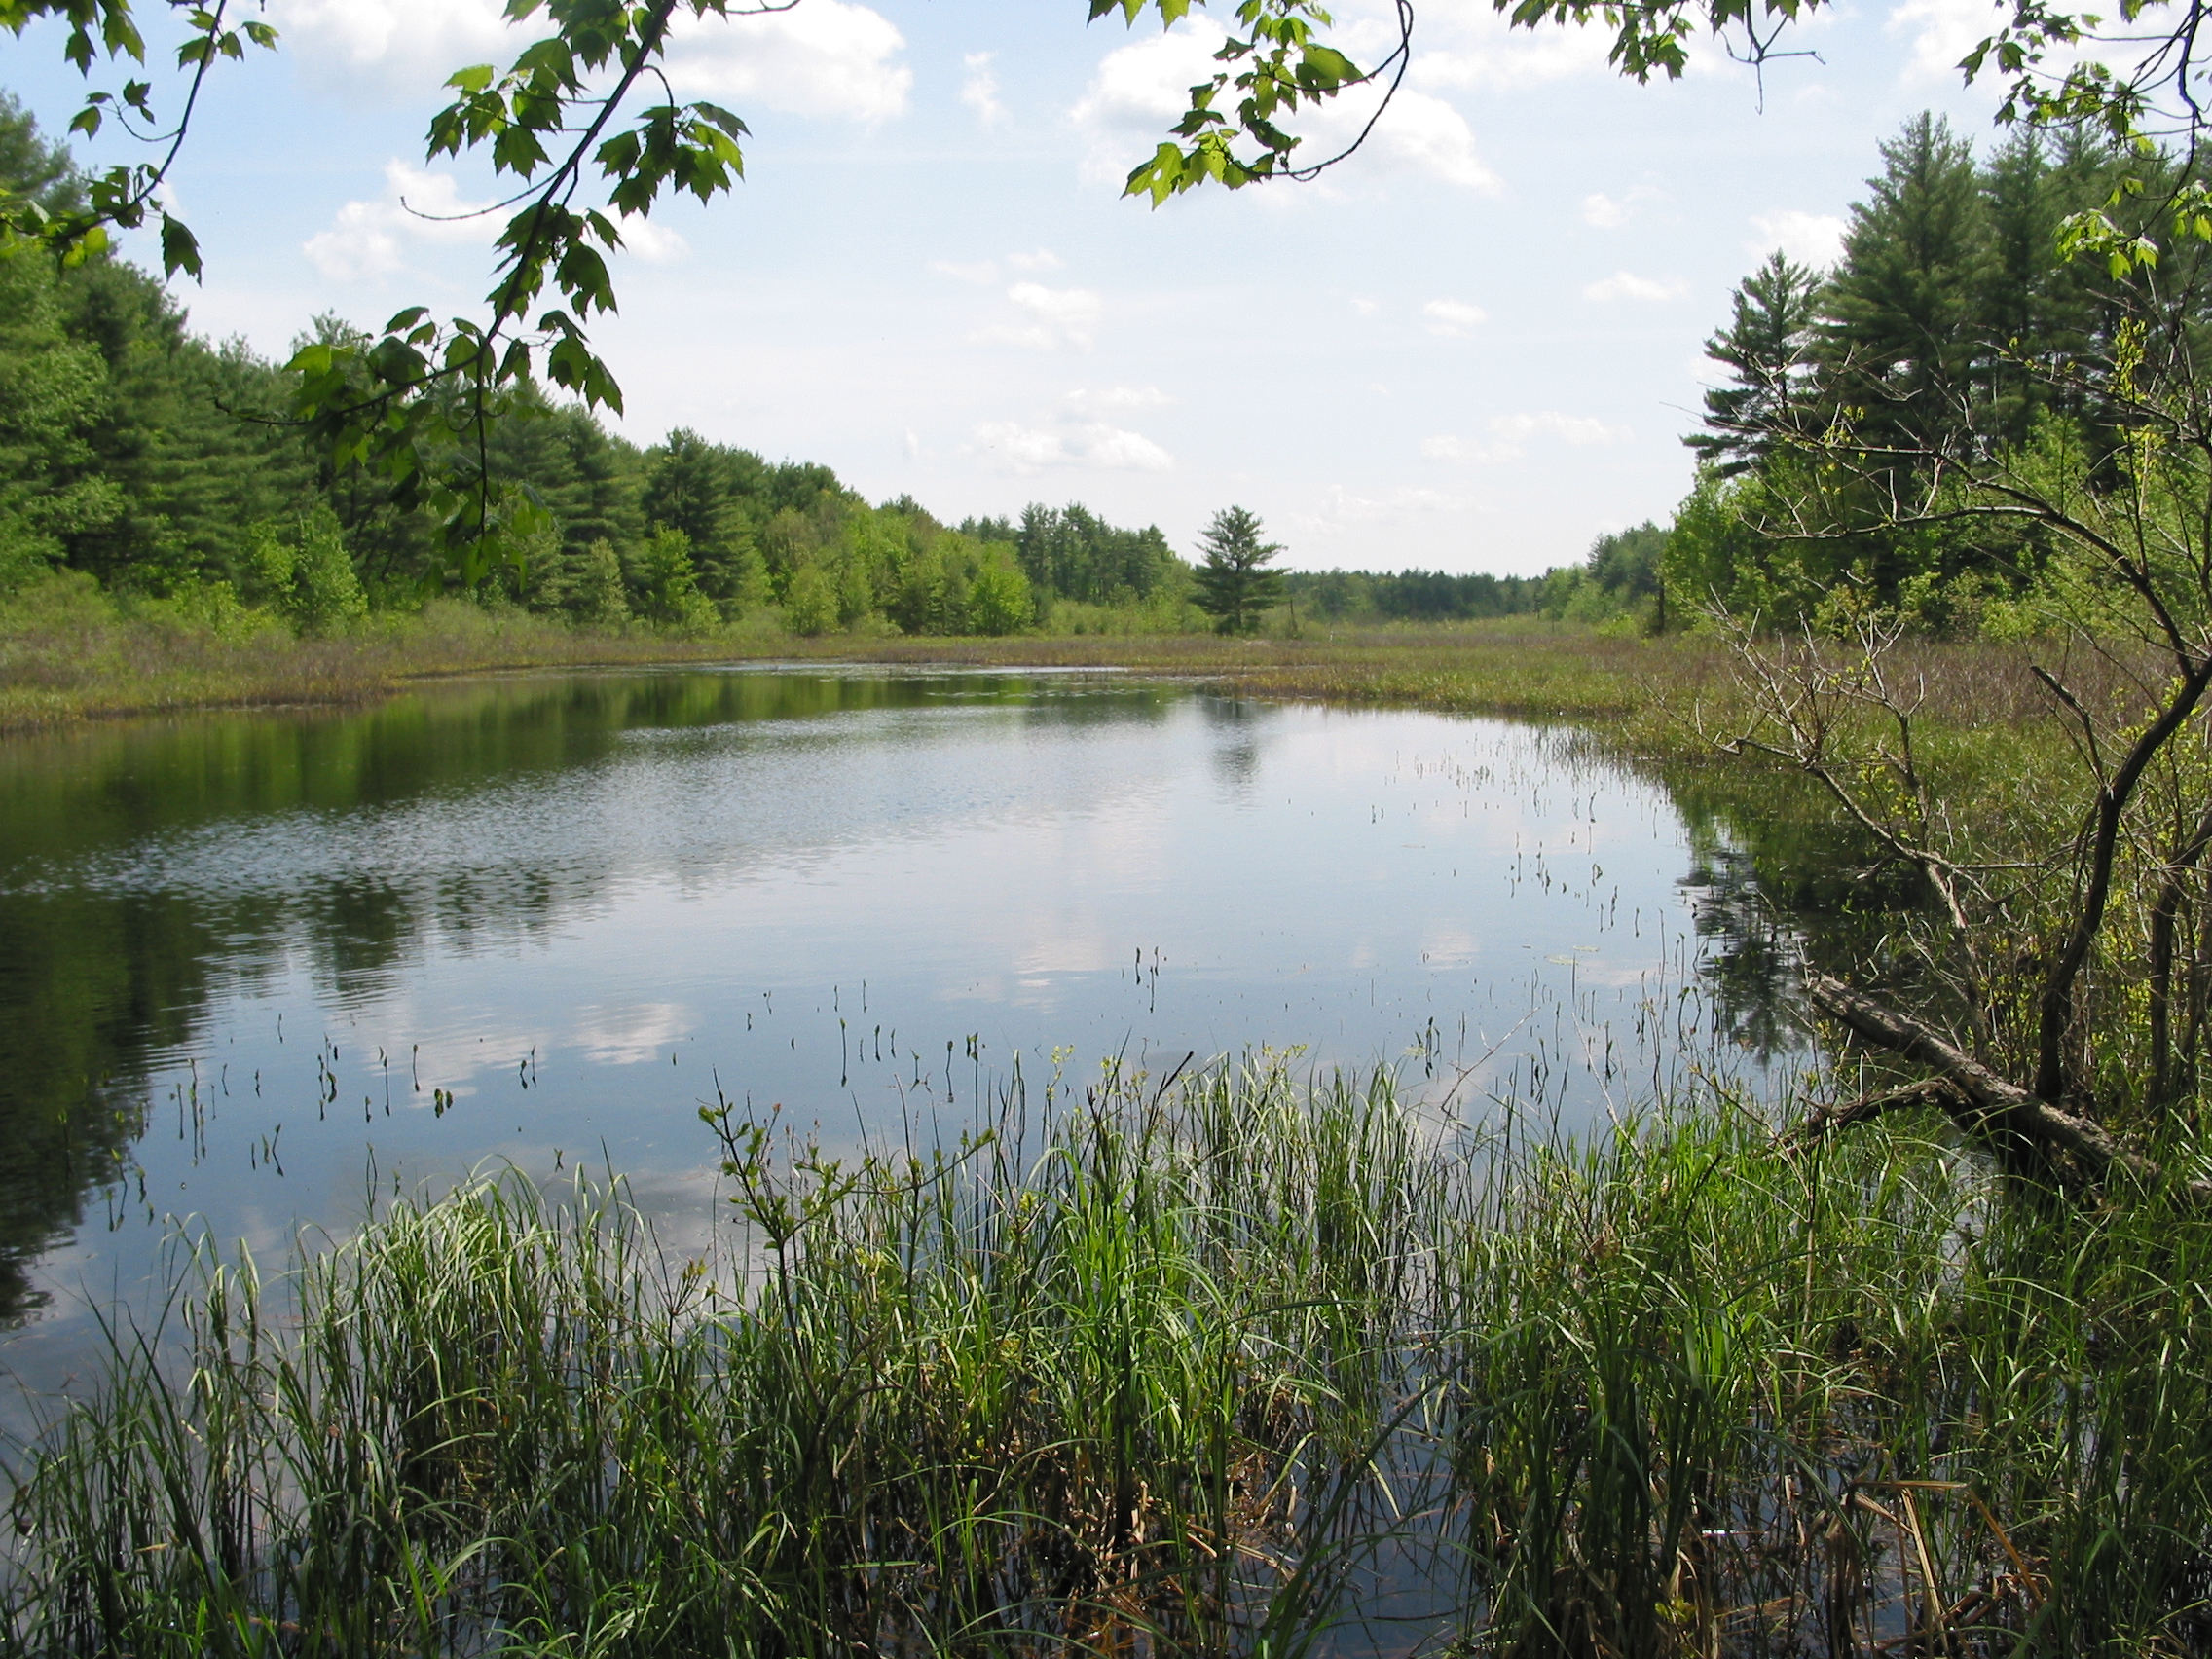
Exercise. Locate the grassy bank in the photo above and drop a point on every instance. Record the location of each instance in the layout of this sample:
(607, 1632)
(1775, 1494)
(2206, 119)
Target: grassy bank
(69, 653)
(1224, 1368)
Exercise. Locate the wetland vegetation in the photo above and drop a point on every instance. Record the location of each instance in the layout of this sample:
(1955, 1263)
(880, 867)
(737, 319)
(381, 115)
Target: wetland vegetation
(1913, 1356)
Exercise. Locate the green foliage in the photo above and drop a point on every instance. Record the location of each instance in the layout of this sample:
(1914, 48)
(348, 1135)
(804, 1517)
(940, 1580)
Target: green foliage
(1188, 1358)
(1766, 348)
(1953, 330)
(662, 585)
(1234, 585)
(416, 405)
(999, 601)
(1070, 553)
(810, 602)
(1411, 596)
(303, 574)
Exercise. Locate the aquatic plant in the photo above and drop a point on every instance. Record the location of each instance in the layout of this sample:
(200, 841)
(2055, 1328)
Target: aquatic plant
(1236, 1364)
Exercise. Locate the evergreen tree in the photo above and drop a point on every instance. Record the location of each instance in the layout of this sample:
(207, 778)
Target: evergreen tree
(1902, 337)
(1234, 586)
(1767, 348)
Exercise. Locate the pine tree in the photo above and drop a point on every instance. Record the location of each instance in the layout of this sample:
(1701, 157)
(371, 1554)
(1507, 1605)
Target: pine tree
(1903, 339)
(1767, 349)
(1234, 586)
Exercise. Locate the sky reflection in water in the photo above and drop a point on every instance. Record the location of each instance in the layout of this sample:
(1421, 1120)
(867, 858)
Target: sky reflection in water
(576, 906)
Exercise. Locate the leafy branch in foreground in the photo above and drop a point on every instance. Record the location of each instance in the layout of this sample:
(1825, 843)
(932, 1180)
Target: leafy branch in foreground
(2058, 68)
(420, 402)
(124, 197)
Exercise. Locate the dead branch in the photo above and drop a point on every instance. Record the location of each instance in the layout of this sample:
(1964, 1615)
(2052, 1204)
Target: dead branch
(1993, 1108)
(1843, 1113)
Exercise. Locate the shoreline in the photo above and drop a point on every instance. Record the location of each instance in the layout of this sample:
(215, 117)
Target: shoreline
(88, 668)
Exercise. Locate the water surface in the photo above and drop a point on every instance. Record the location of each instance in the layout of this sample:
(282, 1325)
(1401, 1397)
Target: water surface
(245, 959)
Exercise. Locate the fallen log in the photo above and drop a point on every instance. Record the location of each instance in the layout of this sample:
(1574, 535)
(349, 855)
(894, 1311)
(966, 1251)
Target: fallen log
(1979, 1101)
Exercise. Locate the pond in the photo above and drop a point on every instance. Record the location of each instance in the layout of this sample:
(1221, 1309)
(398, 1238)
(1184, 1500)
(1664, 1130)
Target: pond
(253, 965)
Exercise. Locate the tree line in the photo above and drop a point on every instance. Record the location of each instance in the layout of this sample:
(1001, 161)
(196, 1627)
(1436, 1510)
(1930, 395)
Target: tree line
(162, 463)
(1973, 313)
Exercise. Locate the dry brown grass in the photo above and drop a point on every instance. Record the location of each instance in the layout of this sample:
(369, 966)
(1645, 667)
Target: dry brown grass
(68, 652)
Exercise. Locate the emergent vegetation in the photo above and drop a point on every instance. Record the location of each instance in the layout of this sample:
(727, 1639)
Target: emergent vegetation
(1207, 1366)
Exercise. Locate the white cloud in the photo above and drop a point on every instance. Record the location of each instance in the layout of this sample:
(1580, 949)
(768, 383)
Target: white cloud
(389, 47)
(984, 271)
(824, 57)
(1364, 307)
(1452, 316)
(1510, 435)
(1020, 448)
(1576, 429)
(1627, 285)
(1608, 212)
(1044, 259)
(1058, 317)
(372, 238)
(1120, 398)
(655, 245)
(1417, 135)
(1339, 509)
(1483, 52)
(1139, 91)
(1810, 239)
(980, 90)
(1942, 32)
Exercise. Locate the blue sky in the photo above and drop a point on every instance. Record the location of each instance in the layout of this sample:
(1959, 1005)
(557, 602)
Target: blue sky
(1473, 346)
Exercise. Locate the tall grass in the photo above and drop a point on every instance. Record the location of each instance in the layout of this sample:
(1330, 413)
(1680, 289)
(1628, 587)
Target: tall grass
(1235, 1365)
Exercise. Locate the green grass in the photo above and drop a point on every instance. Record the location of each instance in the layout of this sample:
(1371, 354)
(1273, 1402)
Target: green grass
(69, 651)
(1222, 1367)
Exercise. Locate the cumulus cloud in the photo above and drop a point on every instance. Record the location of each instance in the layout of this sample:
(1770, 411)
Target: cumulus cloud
(655, 245)
(1016, 448)
(1120, 398)
(825, 57)
(1942, 32)
(1056, 317)
(829, 58)
(1479, 51)
(1810, 239)
(1139, 91)
(1608, 212)
(1041, 259)
(372, 238)
(1340, 508)
(981, 272)
(1507, 437)
(1452, 316)
(1627, 285)
(1576, 429)
(979, 92)
(391, 47)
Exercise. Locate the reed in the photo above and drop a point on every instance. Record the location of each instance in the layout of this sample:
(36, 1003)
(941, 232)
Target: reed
(1242, 1364)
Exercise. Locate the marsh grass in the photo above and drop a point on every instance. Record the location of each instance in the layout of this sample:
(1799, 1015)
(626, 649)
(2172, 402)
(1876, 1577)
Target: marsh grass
(69, 651)
(1235, 1365)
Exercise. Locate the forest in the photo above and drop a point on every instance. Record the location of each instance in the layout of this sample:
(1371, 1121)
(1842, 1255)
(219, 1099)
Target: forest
(1965, 342)
(134, 450)
(164, 466)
